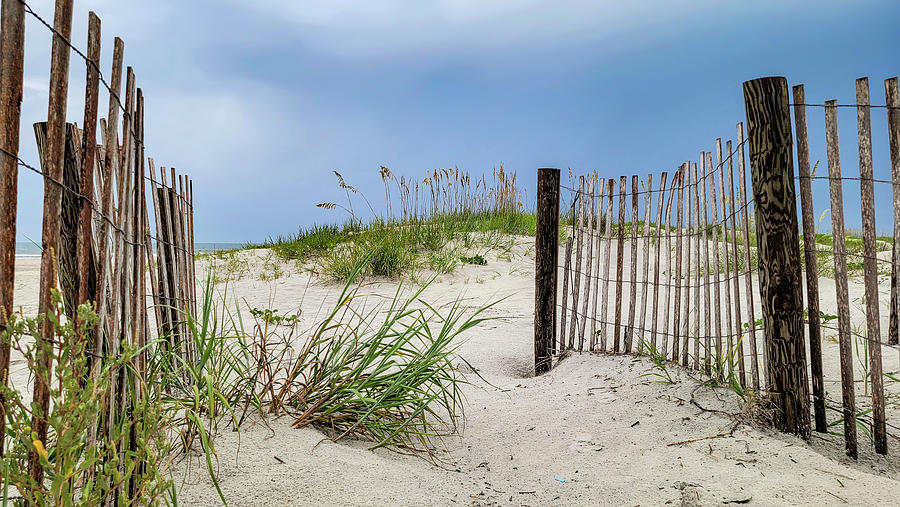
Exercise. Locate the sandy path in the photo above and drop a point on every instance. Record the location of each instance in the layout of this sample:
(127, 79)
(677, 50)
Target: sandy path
(593, 431)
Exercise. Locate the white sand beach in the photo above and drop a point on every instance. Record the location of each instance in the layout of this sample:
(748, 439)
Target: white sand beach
(594, 431)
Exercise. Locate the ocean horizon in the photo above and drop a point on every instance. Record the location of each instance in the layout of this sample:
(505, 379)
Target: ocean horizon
(29, 249)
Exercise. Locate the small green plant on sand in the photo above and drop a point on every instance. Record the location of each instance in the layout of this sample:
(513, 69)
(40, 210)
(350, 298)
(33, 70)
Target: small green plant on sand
(79, 469)
(659, 360)
(476, 260)
(382, 373)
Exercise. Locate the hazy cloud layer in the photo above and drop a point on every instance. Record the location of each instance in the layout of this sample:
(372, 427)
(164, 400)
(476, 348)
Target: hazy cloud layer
(260, 100)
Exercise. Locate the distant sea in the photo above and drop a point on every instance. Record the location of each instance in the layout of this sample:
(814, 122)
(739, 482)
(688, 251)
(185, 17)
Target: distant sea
(27, 249)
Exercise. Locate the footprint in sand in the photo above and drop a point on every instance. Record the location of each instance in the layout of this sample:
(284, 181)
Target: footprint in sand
(584, 443)
(603, 397)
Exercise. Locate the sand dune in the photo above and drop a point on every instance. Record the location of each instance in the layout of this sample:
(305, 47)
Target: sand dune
(593, 431)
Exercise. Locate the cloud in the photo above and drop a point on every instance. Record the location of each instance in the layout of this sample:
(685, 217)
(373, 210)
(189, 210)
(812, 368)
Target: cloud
(370, 28)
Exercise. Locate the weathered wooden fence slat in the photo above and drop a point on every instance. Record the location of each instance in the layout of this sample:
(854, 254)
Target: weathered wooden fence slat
(620, 255)
(658, 248)
(840, 275)
(632, 286)
(870, 266)
(610, 192)
(812, 268)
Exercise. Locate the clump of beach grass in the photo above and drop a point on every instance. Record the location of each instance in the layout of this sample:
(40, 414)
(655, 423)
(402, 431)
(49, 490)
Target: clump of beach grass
(382, 373)
(447, 215)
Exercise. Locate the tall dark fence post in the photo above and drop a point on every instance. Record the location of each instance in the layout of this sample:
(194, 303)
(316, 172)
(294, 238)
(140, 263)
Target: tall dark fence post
(55, 158)
(12, 57)
(546, 258)
(772, 169)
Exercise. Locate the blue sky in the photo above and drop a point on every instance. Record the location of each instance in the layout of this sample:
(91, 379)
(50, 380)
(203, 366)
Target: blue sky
(260, 101)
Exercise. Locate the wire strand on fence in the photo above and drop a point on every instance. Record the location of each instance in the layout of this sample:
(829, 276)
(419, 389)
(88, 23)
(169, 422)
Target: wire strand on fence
(709, 174)
(76, 193)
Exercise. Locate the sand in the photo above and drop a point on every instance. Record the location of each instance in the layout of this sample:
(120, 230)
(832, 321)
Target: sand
(595, 430)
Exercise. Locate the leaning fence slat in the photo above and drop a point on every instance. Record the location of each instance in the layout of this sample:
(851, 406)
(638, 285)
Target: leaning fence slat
(704, 218)
(840, 278)
(733, 348)
(734, 273)
(579, 243)
(597, 238)
(162, 252)
(632, 292)
(893, 102)
(167, 262)
(180, 270)
(658, 248)
(686, 334)
(108, 170)
(676, 328)
(669, 278)
(716, 281)
(620, 251)
(191, 252)
(812, 268)
(699, 268)
(56, 146)
(604, 299)
(645, 272)
(589, 261)
(88, 161)
(745, 217)
(870, 266)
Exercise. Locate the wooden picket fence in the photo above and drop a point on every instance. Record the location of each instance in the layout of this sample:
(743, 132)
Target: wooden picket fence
(665, 279)
(96, 233)
(666, 265)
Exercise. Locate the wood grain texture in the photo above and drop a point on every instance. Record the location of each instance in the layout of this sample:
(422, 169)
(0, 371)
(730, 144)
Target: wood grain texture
(870, 266)
(546, 260)
(812, 268)
(771, 163)
(70, 211)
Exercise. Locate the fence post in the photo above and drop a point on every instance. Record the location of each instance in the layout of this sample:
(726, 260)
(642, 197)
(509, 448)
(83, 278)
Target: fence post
(772, 170)
(546, 258)
(55, 157)
(12, 57)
